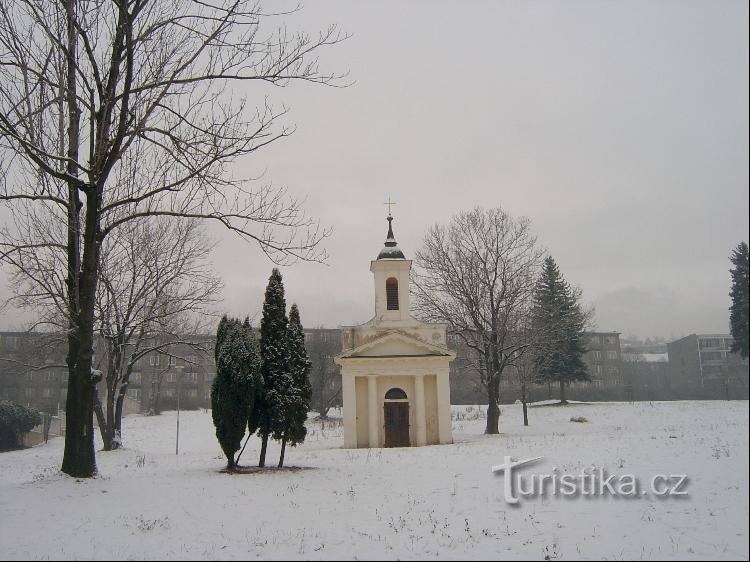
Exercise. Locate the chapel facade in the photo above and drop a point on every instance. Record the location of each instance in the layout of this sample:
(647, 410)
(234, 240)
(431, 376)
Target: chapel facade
(394, 368)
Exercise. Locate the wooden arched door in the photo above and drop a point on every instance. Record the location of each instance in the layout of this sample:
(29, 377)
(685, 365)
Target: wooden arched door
(396, 417)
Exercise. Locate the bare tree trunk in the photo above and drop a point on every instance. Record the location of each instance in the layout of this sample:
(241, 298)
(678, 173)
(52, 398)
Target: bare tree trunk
(110, 420)
(237, 460)
(100, 420)
(523, 402)
(283, 450)
(493, 409)
(263, 447)
(156, 389)
(117, 428)
(562, 392)
(79, 457)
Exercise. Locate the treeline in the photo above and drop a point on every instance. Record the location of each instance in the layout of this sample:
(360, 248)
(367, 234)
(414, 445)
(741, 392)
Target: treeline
(262, 379)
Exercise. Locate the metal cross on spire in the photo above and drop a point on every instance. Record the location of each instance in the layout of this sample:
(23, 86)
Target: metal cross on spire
(389, 203)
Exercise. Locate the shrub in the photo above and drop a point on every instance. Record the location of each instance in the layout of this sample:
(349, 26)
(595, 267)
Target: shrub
(579, 419)
(15, 420)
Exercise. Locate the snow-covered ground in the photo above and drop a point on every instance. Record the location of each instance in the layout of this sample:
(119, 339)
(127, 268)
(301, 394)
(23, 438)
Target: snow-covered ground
(436, 502)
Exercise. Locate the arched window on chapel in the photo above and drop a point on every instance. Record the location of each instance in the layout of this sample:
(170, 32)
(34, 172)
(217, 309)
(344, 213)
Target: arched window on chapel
(391, 293)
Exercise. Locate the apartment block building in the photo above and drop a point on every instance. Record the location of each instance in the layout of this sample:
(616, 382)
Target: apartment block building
(33, 370)
(704, 359)
(604, 358)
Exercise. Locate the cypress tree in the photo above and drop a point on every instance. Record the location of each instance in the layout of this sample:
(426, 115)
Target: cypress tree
(297, 402)
(274, 350)
(256, 365)
(559, 322)
(739, 315)
(221, 331)
(234, 388)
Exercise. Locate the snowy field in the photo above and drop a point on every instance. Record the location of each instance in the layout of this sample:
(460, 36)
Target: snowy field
(431, 502)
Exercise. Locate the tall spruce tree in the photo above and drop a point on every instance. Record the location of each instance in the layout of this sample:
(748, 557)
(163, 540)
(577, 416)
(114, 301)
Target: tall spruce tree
(297, 403)
(235, 387)
(274, 350)
(559, 321)
(739, 315)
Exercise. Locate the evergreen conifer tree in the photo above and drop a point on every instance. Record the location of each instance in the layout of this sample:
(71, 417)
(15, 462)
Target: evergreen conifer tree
(274, 350)
(739, 315)
(256, 367)
(297, 403)
(559, 322)
(221, 330)
(235, 386)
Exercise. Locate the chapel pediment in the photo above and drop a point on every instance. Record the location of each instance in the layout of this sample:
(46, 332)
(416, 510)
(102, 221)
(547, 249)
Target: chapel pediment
(395, 344)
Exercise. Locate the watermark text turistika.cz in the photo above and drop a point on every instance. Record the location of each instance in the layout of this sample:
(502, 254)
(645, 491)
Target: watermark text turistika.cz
(590, 482)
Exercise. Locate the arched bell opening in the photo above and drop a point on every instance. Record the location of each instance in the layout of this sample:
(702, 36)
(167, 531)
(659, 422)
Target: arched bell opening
(391, 293)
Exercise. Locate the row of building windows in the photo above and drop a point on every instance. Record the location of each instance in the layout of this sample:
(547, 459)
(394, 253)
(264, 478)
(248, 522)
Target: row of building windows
(610, 355)
(171, 360)
(715, 343)
(135, 378)
(596, 340)
(48, 376)
(137, 393)
(611, 371)
(713, 355)
(45, 392)
(10, 342)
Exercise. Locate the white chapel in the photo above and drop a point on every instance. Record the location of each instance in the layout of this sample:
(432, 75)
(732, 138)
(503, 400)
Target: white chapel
(395, 368)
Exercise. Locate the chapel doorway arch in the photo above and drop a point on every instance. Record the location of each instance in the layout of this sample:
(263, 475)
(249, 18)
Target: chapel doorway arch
(396, 418)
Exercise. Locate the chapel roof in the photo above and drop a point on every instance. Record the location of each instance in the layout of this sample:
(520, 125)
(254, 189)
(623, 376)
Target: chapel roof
(391, 251)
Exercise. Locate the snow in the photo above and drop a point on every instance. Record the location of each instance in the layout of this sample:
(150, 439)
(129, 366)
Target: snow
(430, 502)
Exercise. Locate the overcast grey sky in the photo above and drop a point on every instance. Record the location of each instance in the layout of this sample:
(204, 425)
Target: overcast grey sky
(619, 128)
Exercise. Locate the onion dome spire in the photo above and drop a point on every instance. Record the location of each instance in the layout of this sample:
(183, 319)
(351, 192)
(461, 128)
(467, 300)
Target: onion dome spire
(391, 249)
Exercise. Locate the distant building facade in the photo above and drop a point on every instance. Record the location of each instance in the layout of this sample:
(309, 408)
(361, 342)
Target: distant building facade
(705, 360)
(645, 375)
(33, 371)
(604, 358)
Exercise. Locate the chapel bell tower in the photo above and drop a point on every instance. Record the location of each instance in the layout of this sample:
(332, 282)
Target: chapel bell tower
(391, 271)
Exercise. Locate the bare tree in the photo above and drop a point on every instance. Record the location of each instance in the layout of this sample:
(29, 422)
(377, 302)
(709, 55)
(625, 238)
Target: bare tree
(92, 93)
(528, 343)
(468, 374)
(325, 375)
(154, 295)
(477, 274)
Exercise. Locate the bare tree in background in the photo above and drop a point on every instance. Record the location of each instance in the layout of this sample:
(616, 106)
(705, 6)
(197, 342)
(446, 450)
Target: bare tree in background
(94, 94)
(154, 293)
(528, 341)
(468, 375)
(325, 375)
(477, 274)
